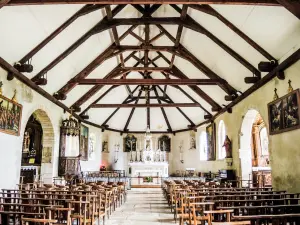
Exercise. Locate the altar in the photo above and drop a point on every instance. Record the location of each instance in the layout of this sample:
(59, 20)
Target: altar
(148, 174)
(150, 164)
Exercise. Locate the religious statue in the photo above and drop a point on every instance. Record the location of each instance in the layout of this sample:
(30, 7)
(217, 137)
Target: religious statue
(228, 147)
(26, 143)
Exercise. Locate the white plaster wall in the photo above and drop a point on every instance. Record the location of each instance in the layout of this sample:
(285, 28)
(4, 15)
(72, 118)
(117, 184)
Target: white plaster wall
(11, 146)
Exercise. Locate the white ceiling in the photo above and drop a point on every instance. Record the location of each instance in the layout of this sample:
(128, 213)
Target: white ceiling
(23, 27)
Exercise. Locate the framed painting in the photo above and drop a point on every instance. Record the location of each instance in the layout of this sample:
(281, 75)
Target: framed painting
(84, 142)
(284, 113)
(211, 142)
(164, 143)
(130, 142)
(10, 116)
(192, 140)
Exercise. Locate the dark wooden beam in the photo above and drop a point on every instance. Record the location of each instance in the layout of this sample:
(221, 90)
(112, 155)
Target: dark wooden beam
(117, 109)
(100, 97)
(76, 44)
(4, 3)
(192, 24)
(227, 2)
(132, 111)
(292, 5)
(211, 11)
(153, 105)
(163, 111)
(192, 99)
(161, 98)
(21, 77)
(96, 88)
(179, 74)
(93, 65)
(197, 63)
(179, 109)
(179, 31)
(115, 32)
(184, 81)
(83, 11)
(292, 59)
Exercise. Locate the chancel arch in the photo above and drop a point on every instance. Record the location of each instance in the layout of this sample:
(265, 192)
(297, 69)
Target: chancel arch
(37, 149)
(254, 150)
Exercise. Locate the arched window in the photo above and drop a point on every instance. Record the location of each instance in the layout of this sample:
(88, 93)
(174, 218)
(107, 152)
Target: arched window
(221, 140)
(264, 141)
(203, 146)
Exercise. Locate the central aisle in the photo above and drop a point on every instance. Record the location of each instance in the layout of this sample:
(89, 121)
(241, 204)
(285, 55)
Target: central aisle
(144, 206)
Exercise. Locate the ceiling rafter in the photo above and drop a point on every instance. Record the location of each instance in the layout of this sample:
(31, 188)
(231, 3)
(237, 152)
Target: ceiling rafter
(83, 11)
(163, 111)
(77, 43)
(225, 47)
(230, 2)
(96, 88)
(115, 32)
(179, 109)
(132, 111)
(291, 5)
(95, 63)
(211, 11)
(148, 105)
(100, 97)
(182, 81)
(197, 63)
(179, 31)
(197, 90)
(117, 109)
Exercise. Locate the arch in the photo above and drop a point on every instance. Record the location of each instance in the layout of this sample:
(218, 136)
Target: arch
(221, 140)
(48, 141)
(245, 151)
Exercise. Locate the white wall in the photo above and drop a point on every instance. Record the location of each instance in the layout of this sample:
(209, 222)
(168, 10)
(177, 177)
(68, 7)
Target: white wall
(11, 146)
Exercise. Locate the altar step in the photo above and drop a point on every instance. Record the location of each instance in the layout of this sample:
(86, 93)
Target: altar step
(145, 186)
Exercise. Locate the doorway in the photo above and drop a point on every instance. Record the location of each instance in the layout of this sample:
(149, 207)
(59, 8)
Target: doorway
(254, 151)
(38, 144)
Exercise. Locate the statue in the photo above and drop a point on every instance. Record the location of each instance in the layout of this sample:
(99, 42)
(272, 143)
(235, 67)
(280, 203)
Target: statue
(228, 147)
(26, 142)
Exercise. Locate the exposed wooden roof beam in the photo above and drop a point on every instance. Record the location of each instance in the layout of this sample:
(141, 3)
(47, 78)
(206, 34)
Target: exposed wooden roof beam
(184, 81)
(163, 110)
(179, 109)
(83, 11)
(197, 27)
(211, 11)
(132, 111)
(4, 3)
(197, 90)
(96, 88)
(292, 5)
(179, 31)
(95, 63)
(153, 105)
(115, 32)
(100, 97)
(231, 2)
(192, 99)
(76, 44)
(117, 109)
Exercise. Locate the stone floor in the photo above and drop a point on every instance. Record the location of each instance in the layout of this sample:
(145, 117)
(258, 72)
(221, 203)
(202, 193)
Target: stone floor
(144, 206)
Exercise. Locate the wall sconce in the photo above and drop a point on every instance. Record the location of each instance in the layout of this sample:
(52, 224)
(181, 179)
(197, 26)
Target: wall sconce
(116, 156)
(181, 152)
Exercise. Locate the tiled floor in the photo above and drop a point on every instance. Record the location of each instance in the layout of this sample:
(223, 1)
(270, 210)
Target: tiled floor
(143, 207)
